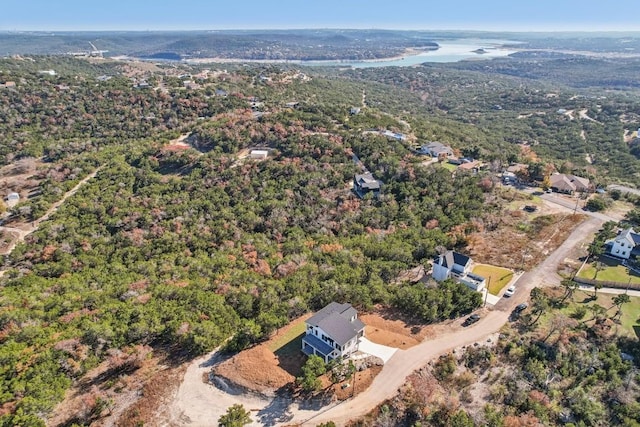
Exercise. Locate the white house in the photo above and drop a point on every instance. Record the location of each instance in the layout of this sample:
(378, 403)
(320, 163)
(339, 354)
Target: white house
(259, 154)
(457, 266)
(333, 332)
(12, 199)
(436, 149)
(624, 244)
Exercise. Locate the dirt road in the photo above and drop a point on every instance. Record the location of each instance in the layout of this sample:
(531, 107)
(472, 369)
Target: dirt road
(29, 228)
(198, 403)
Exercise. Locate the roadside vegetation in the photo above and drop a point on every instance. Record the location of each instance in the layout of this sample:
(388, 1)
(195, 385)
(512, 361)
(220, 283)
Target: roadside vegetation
(567, 360)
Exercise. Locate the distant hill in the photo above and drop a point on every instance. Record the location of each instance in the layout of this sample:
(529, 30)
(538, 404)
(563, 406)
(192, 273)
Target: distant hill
(257, 44)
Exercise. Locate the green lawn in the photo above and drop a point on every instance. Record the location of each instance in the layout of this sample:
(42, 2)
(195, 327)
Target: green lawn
(630, 311)
(449, 166)
(497, 277)
(631, 315)
(611, 273)
(280, 341)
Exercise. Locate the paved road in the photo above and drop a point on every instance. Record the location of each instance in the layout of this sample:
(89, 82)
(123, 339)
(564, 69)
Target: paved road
(570, 204)
(623, 189)
(405, 362)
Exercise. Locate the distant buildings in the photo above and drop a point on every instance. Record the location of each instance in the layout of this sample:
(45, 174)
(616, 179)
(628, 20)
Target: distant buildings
(568, 184)
(12, 199)
(259, 154)
(436, 149)
(365, 183)
(394, 135)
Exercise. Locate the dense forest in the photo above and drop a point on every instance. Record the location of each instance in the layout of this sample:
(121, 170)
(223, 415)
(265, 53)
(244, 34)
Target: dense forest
(179, 247)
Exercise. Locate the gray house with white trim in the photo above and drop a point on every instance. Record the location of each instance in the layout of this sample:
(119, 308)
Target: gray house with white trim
(333, 332)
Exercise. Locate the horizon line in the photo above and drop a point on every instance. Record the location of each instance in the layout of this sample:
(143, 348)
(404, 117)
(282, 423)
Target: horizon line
(373, 28)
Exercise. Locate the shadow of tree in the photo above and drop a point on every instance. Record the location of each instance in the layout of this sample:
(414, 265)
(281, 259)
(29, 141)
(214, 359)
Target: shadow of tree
(277, 412)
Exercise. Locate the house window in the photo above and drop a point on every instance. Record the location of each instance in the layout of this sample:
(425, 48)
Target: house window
(624, 253)
(618, 251)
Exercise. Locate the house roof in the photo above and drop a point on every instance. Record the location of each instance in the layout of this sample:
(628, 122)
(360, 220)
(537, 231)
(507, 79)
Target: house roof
(567, 182)
(321, 346)
(335, 320)
(437, 147)
(517, 167)
(469, 165)
(452, 258)
(367, 181)
(630, 236)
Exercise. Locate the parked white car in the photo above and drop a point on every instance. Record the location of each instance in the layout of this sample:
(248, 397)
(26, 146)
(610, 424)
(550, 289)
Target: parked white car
(510, 291)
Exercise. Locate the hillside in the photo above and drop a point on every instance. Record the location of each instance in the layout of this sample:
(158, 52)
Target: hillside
(179, 240)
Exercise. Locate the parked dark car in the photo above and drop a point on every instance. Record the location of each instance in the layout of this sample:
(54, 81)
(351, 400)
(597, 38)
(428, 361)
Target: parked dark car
(521, 307)
(471, 320)
(515, 314)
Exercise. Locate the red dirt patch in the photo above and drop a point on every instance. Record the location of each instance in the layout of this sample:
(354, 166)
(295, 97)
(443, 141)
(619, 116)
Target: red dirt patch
(261, 370)
(256, 369)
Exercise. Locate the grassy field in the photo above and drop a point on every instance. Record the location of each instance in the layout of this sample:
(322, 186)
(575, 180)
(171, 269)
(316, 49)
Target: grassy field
(289, 336)
(629, 325)
(497, 277)
(611, 273)
(449, 166)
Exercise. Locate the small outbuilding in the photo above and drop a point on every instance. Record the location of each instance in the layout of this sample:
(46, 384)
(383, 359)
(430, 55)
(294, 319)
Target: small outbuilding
(259, 154)
(12, 199)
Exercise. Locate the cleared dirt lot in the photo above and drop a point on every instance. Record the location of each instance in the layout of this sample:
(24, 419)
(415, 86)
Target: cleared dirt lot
(266, 369)
(518, 239)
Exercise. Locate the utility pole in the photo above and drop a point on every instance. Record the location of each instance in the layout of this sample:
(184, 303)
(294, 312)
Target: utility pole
(486, 294)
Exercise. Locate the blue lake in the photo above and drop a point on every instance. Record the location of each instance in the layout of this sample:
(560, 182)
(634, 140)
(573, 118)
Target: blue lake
(449, 51)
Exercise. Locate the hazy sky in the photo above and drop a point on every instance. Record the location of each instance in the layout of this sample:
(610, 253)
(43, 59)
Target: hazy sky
(229, 14)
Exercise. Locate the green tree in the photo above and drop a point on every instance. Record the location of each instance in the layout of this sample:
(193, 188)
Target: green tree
(236, 416)
(596, 287)
(570, 286)
(539, 303)
(341, 370)
(619, 300)
(311, 370)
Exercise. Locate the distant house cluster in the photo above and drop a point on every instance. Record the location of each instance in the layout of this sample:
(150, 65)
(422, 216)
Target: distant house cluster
(453, 265)
(333, 332)
(569, 184)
